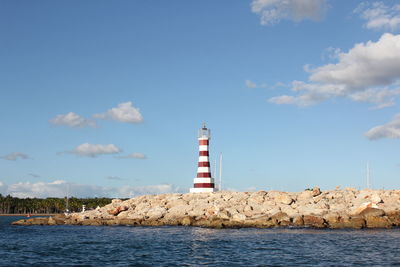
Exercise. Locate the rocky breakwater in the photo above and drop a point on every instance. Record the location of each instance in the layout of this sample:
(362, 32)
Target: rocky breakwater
(348, 208)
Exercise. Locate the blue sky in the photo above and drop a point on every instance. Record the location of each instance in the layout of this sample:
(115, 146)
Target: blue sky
(107, 96)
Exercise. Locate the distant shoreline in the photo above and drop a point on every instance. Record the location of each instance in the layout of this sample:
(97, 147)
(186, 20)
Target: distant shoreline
(26, 214)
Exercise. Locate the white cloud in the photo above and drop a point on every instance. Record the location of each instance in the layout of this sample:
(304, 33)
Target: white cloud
(124, 112)
(250, 84)
(15, 155)
(94, 150)
(133, 156)
(366, 64)
(280, 84)
(381, 97)
(388, 130)
(60, 188)
(301, 100)
(273, 11)
(367, 73)
(73, 120)
(379, 16)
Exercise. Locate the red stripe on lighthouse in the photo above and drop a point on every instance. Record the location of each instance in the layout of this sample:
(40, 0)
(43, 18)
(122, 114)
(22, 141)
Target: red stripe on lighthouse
(203, 153)
(203, 175)
(203, 142)
(203, 185)
(203, 164)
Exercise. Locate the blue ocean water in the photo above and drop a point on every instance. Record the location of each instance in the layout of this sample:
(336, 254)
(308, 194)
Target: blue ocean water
(192, 246)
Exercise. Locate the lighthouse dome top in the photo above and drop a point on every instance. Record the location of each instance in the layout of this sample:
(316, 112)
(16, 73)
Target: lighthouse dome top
(204, 132)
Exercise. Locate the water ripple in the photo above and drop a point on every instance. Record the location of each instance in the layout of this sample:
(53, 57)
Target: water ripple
(188, 246)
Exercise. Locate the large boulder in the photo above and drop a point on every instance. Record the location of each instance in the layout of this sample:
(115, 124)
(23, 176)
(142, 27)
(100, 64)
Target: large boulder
(238, 217)
(298, 221)
(156, 213)
(314, 221)
(394, 217)
(281, 197)
(359, 209)
(375, 198)
(372, 212)
(378, 222)
(289, 210)
(256, 198)
(316, 191)
(355, 222)
(333, 220)
(305, 196)
(32, 221)
(281, 219)
(117, 210)
(93, 222)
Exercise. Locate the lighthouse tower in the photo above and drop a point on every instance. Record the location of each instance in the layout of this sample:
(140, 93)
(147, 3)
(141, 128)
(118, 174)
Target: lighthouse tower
(203, 182)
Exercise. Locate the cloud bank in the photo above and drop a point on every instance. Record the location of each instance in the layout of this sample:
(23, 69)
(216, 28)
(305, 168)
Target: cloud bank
(369, 72)
(133, 156)
(388, 130)
(251, 84)
(94, 150)
(379, 16)
(60, 188)
(72, 120)
(124, 112)
(14, 156)
(273, 11)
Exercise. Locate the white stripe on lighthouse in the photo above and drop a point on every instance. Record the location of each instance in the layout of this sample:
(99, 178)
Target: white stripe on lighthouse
(203, 159)
(203, 169)
(203, 148)
(203, 180)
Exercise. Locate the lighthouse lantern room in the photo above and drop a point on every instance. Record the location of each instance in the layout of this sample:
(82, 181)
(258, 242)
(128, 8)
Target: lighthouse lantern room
(203, 182)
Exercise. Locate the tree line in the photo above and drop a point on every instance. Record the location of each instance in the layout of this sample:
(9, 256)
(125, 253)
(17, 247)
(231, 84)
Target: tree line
(14, 205)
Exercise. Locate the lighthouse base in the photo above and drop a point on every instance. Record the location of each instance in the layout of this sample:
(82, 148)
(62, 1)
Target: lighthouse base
(203, 190)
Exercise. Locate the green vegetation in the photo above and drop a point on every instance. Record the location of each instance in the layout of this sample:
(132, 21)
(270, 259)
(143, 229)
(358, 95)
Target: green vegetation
(14, 205)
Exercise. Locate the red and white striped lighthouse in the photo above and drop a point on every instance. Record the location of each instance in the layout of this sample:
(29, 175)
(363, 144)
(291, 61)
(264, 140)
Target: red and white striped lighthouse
(203, 182)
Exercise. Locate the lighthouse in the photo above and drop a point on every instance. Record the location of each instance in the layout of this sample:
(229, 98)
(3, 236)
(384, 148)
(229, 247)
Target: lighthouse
(203, 182)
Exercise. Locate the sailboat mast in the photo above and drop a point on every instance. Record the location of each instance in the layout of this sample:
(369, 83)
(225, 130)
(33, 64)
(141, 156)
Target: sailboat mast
(67, 200)
(368, 176)
(215, 169)
(220, 172)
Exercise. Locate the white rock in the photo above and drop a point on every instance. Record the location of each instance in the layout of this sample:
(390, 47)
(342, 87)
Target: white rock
(281, 197)
(305, 196)
(156, 213)
(375, 199)
(239, 217)
(362, 207)
(289, 210)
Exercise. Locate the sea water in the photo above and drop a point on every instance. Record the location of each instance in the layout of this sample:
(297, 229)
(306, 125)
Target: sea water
(193, 246)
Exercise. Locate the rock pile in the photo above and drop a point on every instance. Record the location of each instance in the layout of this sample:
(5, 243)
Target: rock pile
(348, 208)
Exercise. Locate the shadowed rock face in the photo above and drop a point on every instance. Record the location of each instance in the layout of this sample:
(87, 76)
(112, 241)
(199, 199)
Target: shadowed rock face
(348, 208)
